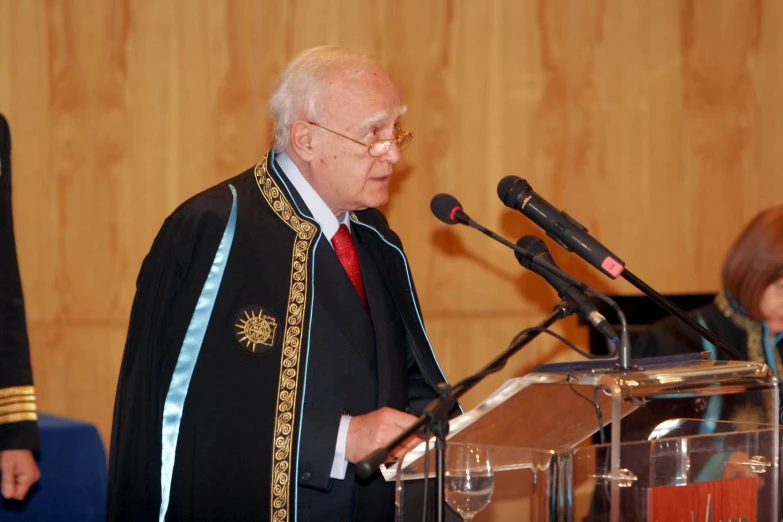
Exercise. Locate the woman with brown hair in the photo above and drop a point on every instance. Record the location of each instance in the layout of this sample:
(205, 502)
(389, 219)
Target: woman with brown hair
(748, 313)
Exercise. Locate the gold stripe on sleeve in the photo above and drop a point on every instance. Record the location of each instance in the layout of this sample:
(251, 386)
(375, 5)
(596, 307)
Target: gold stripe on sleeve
(18, 417)
(16, 390)
(22, 398)
(17, 408)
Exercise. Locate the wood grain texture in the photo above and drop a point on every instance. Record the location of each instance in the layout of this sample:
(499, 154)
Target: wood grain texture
(731, 499)
(656, 123)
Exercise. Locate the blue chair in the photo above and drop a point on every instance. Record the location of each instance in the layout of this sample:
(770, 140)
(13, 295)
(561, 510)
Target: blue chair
(73, 468)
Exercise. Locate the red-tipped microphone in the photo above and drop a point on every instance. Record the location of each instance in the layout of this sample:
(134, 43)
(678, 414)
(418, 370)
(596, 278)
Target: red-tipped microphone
(446, 208)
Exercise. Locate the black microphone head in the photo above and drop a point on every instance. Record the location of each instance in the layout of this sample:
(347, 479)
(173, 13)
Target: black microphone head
(510, 188)
(532, 244)
(445, 207)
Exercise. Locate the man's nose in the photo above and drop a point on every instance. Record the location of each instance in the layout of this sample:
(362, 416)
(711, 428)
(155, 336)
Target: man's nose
(393, 154)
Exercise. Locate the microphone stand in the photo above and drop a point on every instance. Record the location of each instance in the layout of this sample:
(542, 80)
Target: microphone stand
(436, 414)
(681, 315)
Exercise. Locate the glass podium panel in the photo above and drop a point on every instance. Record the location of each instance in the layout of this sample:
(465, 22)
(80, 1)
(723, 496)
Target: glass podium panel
(588, 442)
(729, 474)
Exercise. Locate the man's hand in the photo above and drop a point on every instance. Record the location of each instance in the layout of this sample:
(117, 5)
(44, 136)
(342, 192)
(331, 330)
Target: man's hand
(376, 429)
(19, 471)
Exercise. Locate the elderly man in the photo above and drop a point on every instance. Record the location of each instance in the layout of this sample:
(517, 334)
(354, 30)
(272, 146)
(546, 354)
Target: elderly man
(18, 427)
(275, 338)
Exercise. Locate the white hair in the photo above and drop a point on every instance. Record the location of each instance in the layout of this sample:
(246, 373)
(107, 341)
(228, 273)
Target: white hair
(296, 92)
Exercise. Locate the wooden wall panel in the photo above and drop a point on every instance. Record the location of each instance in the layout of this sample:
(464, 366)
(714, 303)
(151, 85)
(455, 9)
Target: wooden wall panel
(656, 123)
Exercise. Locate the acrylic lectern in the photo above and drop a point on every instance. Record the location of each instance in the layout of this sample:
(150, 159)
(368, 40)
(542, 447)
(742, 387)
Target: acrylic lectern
(673, 439)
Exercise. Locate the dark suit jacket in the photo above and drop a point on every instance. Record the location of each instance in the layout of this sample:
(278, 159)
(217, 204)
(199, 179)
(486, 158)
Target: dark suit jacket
(359, 362)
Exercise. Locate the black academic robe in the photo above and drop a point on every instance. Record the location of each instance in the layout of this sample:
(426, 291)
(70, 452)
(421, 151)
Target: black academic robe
(723, 318)
(18, 426)
(245, 344)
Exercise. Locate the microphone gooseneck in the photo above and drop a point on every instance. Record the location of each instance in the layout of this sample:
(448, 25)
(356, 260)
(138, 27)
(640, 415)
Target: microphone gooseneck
(565, 289)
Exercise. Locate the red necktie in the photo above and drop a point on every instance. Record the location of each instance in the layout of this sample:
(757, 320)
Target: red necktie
(345, 249)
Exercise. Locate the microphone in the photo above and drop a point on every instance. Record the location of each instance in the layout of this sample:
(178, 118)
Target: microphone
(446, 208)
(517, 193)
(564, 289)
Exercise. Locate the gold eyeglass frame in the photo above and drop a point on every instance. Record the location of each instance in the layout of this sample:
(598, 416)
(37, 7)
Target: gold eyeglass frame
(402, 138)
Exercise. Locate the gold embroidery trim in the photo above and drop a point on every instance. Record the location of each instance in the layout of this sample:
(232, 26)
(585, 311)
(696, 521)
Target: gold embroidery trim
(752, 329)
(16, 390)
(292, 339)
(755, 353)
(18, 417)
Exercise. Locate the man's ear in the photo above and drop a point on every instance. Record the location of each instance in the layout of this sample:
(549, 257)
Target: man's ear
(301, 140)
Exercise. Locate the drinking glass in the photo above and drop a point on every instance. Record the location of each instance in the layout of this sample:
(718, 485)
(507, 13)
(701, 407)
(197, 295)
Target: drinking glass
(469, 480)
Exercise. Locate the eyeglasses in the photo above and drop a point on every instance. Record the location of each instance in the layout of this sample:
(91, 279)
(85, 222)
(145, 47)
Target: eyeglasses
(401, 137)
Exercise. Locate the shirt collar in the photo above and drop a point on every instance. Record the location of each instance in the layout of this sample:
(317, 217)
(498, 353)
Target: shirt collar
(321, 213)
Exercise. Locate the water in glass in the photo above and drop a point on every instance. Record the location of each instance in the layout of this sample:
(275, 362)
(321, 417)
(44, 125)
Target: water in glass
(469, 481)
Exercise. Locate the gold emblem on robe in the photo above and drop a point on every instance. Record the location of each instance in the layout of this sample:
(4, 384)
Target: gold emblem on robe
(255, 330)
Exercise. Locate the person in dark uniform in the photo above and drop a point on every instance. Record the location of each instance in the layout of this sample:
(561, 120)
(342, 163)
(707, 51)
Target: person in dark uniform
(18, 418)
(276, 336)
